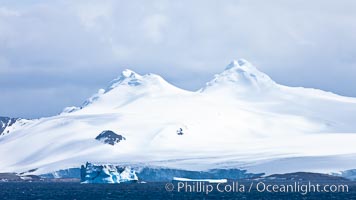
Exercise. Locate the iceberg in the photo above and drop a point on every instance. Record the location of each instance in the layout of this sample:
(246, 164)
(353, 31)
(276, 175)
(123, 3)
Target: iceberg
(107, 173)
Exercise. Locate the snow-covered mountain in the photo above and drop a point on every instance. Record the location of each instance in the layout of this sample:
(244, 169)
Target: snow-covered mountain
(240, 119)
(7, 122)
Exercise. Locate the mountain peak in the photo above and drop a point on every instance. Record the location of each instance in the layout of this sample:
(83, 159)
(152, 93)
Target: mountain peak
(242, 76)
(127, 77)
(237, 63)
(232, 64)
(127, 73)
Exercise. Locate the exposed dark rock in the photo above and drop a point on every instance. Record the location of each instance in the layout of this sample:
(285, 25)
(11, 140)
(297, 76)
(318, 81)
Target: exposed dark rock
(9, 177)
(180, 131)
(13, 177)
(6, 122)
(29, 171)
(109, 137)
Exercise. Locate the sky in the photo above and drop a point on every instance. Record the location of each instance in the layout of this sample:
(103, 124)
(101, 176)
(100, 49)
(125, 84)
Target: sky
(58, 53)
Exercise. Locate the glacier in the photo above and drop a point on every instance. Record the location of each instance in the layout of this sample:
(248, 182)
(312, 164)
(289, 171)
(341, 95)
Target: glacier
(241, 119)
(113, 173)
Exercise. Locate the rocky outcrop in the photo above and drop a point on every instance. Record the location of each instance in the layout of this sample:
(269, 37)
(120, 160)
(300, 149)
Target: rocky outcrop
(109, 137)
(6, 122)
(14, 177)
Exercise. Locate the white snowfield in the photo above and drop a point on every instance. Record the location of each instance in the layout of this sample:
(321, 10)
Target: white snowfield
(240, 119)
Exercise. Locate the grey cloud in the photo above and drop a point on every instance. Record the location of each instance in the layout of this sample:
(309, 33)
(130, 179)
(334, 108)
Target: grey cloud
(55, 46)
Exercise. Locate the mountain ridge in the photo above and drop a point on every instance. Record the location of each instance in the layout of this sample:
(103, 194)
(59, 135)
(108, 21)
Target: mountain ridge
(221, 126)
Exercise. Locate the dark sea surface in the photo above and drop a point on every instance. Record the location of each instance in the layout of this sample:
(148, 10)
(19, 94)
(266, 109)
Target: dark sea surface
(52, 190)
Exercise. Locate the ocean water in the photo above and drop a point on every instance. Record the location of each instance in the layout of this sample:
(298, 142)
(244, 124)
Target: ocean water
(71, 191)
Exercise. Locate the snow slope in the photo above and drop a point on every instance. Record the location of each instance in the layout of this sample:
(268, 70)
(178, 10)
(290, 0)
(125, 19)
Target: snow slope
(6, 124)
(240, 119)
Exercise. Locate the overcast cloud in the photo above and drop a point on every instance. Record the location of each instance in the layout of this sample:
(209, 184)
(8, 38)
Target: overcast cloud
(55, 54)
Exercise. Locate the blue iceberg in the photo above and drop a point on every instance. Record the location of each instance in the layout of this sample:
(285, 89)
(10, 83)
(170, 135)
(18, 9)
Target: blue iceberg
(107, 173)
